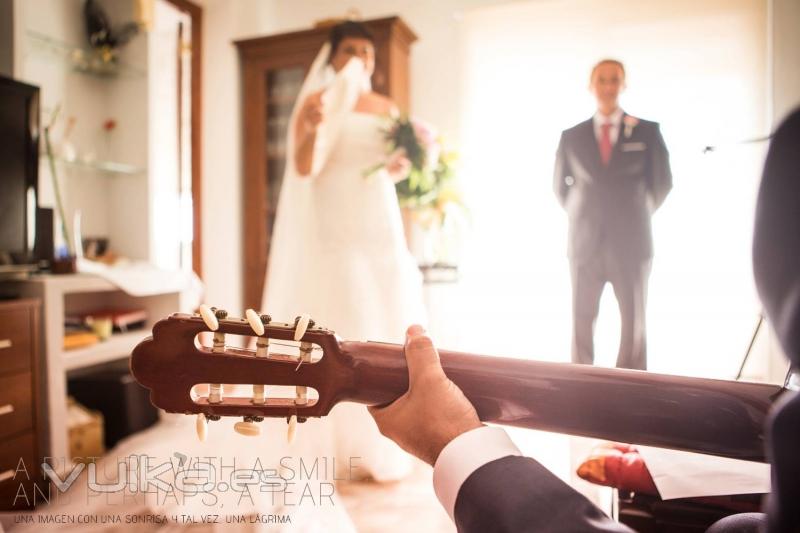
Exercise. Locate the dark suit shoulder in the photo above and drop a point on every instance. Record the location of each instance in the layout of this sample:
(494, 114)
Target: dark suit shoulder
(577, 127)
(645, 124)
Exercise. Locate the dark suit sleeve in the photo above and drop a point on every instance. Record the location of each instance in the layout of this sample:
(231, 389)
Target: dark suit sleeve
(517, 494)
(561, 171)
(660, 174)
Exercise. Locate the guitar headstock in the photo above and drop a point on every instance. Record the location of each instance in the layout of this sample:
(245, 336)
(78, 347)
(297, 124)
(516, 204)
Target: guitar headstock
(185, 376)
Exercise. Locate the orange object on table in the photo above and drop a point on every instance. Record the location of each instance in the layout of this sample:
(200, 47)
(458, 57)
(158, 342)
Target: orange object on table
(620, 466)
(79, 339)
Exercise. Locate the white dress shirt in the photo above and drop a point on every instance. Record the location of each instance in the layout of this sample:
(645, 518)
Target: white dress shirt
(615, 119)
(464, 455)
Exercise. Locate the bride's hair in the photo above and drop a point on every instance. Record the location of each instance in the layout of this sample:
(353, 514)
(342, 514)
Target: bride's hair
(349, 28)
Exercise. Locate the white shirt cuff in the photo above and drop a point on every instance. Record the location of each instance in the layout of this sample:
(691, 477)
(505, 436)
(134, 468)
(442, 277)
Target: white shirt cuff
(464, 455)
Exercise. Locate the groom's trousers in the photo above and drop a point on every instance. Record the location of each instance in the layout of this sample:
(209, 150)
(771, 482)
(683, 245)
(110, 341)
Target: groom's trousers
(629, 280)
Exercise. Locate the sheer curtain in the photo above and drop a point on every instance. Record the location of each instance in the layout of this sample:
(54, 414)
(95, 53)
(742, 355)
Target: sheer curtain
(696, 66)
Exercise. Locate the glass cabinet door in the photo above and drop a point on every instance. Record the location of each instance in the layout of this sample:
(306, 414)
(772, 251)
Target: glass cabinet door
(282, 88)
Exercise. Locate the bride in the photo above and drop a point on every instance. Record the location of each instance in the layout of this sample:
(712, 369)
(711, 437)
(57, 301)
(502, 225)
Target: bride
(338, 249)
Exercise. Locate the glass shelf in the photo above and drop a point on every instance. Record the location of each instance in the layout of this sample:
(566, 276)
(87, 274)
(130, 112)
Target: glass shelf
(84, 60)
(111, 167)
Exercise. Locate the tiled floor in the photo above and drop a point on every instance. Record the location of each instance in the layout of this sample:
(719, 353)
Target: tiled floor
(407, 505)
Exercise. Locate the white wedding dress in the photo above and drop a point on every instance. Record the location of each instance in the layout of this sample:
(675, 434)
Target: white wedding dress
(367, 285)
(339, 254)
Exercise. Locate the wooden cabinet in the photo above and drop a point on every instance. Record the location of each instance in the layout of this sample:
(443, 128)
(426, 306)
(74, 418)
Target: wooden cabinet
(19, 394)
(61, 295)
(273, 69)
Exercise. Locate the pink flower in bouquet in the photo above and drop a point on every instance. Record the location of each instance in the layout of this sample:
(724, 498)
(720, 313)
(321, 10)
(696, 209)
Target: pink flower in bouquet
(425, 134)
(428, 139)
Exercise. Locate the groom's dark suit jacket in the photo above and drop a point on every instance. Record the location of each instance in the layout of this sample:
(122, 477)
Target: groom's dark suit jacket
(609, 206)
(517, 494)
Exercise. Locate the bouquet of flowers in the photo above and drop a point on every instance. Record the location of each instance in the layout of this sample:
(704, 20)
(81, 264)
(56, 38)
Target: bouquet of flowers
(430, 180)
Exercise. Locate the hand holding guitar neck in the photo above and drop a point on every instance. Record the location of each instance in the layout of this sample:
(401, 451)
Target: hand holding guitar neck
(447, 412)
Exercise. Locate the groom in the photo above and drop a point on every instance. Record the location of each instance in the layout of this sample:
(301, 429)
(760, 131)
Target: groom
(611, 174)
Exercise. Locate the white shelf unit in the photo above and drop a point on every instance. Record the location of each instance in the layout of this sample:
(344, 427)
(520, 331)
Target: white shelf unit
(105, 351)
(71, 293)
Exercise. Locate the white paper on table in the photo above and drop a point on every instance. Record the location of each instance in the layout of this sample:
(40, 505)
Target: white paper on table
(680, 474)
(143, 279)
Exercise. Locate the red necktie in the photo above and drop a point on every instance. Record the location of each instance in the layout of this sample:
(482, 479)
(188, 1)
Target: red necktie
(605, 142)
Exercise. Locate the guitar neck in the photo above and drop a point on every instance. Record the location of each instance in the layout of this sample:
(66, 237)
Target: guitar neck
(724, 418)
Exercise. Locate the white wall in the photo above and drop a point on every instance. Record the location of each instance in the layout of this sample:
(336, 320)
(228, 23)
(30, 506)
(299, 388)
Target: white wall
(113, 206)
(129, 100)
(79, 96)
(122, 207)
(785, 35)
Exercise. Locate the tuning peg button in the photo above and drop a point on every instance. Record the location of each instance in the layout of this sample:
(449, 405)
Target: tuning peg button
(247, 428)
(202, 427)
(209, 317)
(292, 429)
(255, 322)
(301, 324)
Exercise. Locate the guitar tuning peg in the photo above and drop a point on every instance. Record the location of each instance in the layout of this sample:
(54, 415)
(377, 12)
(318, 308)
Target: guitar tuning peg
(219, 337)
(209, 317)
(247, 427)
(301, 395)
(292, 428)
(215, 393)
(202, 427)
(255, 322)
(259, 397)
(301, 324)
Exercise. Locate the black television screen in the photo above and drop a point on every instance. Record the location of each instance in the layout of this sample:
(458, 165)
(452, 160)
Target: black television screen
(19, 169)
